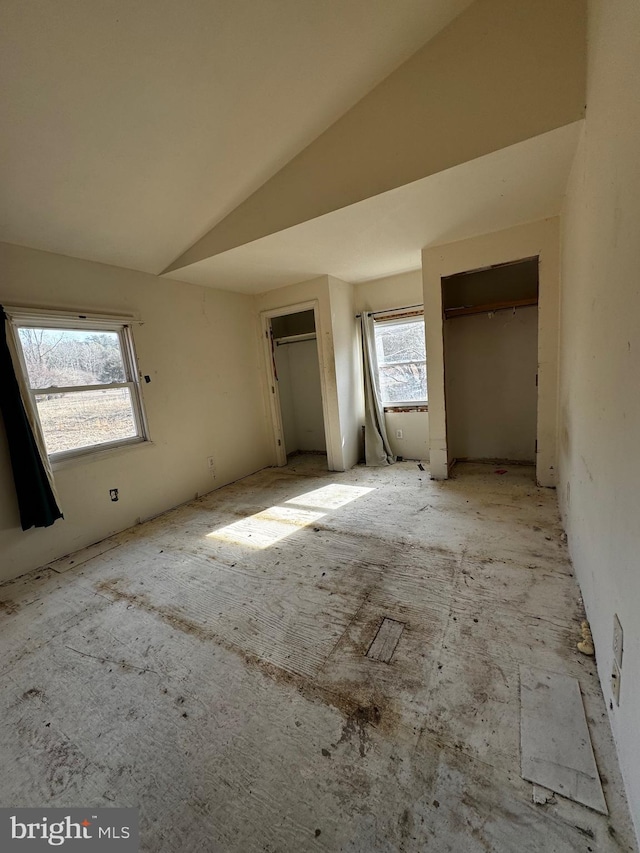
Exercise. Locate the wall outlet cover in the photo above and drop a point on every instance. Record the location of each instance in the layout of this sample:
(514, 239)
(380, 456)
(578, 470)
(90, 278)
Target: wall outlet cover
(617, 641)
(615, 683)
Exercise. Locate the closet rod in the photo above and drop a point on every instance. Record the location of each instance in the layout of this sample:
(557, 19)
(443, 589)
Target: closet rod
(295, 339)
(488, 308)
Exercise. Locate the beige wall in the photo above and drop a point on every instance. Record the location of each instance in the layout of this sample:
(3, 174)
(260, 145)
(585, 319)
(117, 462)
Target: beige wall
(600, 363)
(393, 291)
(348, 365)
(414, 426)
(524, 241)
(198, 346)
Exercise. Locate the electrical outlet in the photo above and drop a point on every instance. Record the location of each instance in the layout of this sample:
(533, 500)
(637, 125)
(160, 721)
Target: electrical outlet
(211, 466)
(399, 433)
(616, 678)
(113, 494)
(617, 641)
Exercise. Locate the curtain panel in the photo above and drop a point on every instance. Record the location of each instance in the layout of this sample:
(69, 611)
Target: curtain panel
(35, 488)
(377, 450)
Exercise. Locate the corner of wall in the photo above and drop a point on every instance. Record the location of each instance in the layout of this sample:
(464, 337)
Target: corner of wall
(347, 367)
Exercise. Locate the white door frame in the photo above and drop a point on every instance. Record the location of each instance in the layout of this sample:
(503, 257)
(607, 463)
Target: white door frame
(541, 239)
(272, 383)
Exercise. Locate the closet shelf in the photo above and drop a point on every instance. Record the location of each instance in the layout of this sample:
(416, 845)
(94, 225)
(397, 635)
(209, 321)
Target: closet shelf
(294, 339)
(449, 313)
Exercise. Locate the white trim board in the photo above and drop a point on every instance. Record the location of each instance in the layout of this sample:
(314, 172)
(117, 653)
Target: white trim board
(82, 556)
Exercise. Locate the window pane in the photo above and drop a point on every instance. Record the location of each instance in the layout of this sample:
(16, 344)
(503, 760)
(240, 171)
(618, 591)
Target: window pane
(64, 357)
(79, 419)
(403, 383)
(400, 341)
(400, 350)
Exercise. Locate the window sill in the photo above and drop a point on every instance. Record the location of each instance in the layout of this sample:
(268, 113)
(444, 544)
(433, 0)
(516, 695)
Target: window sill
(95, 454)
(407, 407)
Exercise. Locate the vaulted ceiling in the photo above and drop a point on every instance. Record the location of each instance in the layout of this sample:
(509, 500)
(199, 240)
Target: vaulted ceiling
(385, 234)
(130, 127)
(228, 142)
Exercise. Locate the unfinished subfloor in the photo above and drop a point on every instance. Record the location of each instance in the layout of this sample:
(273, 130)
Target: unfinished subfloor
(211, 669)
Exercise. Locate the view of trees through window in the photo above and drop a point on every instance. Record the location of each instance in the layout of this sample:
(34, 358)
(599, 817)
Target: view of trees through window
(402, 364)
(62, 365)
(63, 357)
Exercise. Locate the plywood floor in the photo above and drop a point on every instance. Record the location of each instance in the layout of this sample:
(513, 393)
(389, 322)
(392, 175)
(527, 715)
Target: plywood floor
(211, 669)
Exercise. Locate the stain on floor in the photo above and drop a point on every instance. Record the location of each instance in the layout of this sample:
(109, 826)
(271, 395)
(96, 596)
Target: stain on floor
(224, 688)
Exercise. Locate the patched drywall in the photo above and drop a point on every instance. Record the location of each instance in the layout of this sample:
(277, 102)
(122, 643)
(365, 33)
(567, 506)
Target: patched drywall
(199, 348)
(600, 364)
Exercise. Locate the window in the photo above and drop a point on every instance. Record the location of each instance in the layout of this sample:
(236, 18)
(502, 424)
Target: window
(402, 362)
(83, 380)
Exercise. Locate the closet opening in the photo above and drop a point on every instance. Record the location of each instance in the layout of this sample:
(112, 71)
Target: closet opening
(298, 406)
(491, 363)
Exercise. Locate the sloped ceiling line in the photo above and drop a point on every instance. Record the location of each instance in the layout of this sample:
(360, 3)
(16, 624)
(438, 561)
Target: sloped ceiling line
(497, 75)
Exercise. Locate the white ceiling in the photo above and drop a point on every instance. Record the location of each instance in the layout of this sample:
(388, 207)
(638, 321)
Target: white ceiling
(385, 234)
(130, 127)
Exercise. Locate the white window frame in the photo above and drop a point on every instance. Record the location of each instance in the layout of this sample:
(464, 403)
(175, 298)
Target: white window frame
(122, 326)
(391, 319)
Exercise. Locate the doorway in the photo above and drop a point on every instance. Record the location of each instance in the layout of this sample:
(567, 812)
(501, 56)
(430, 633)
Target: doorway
(299, 413)
(491, 356)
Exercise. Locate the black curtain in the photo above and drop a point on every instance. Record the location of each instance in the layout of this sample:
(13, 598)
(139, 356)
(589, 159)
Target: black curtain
(36, 500)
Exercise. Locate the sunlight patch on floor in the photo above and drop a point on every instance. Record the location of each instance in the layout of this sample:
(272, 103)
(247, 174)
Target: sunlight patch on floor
(331, 497)
(277, 522)
(267, 527)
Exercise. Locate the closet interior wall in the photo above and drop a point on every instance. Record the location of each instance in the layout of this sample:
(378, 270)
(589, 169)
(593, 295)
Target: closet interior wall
(298, 375)
(491, 345)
